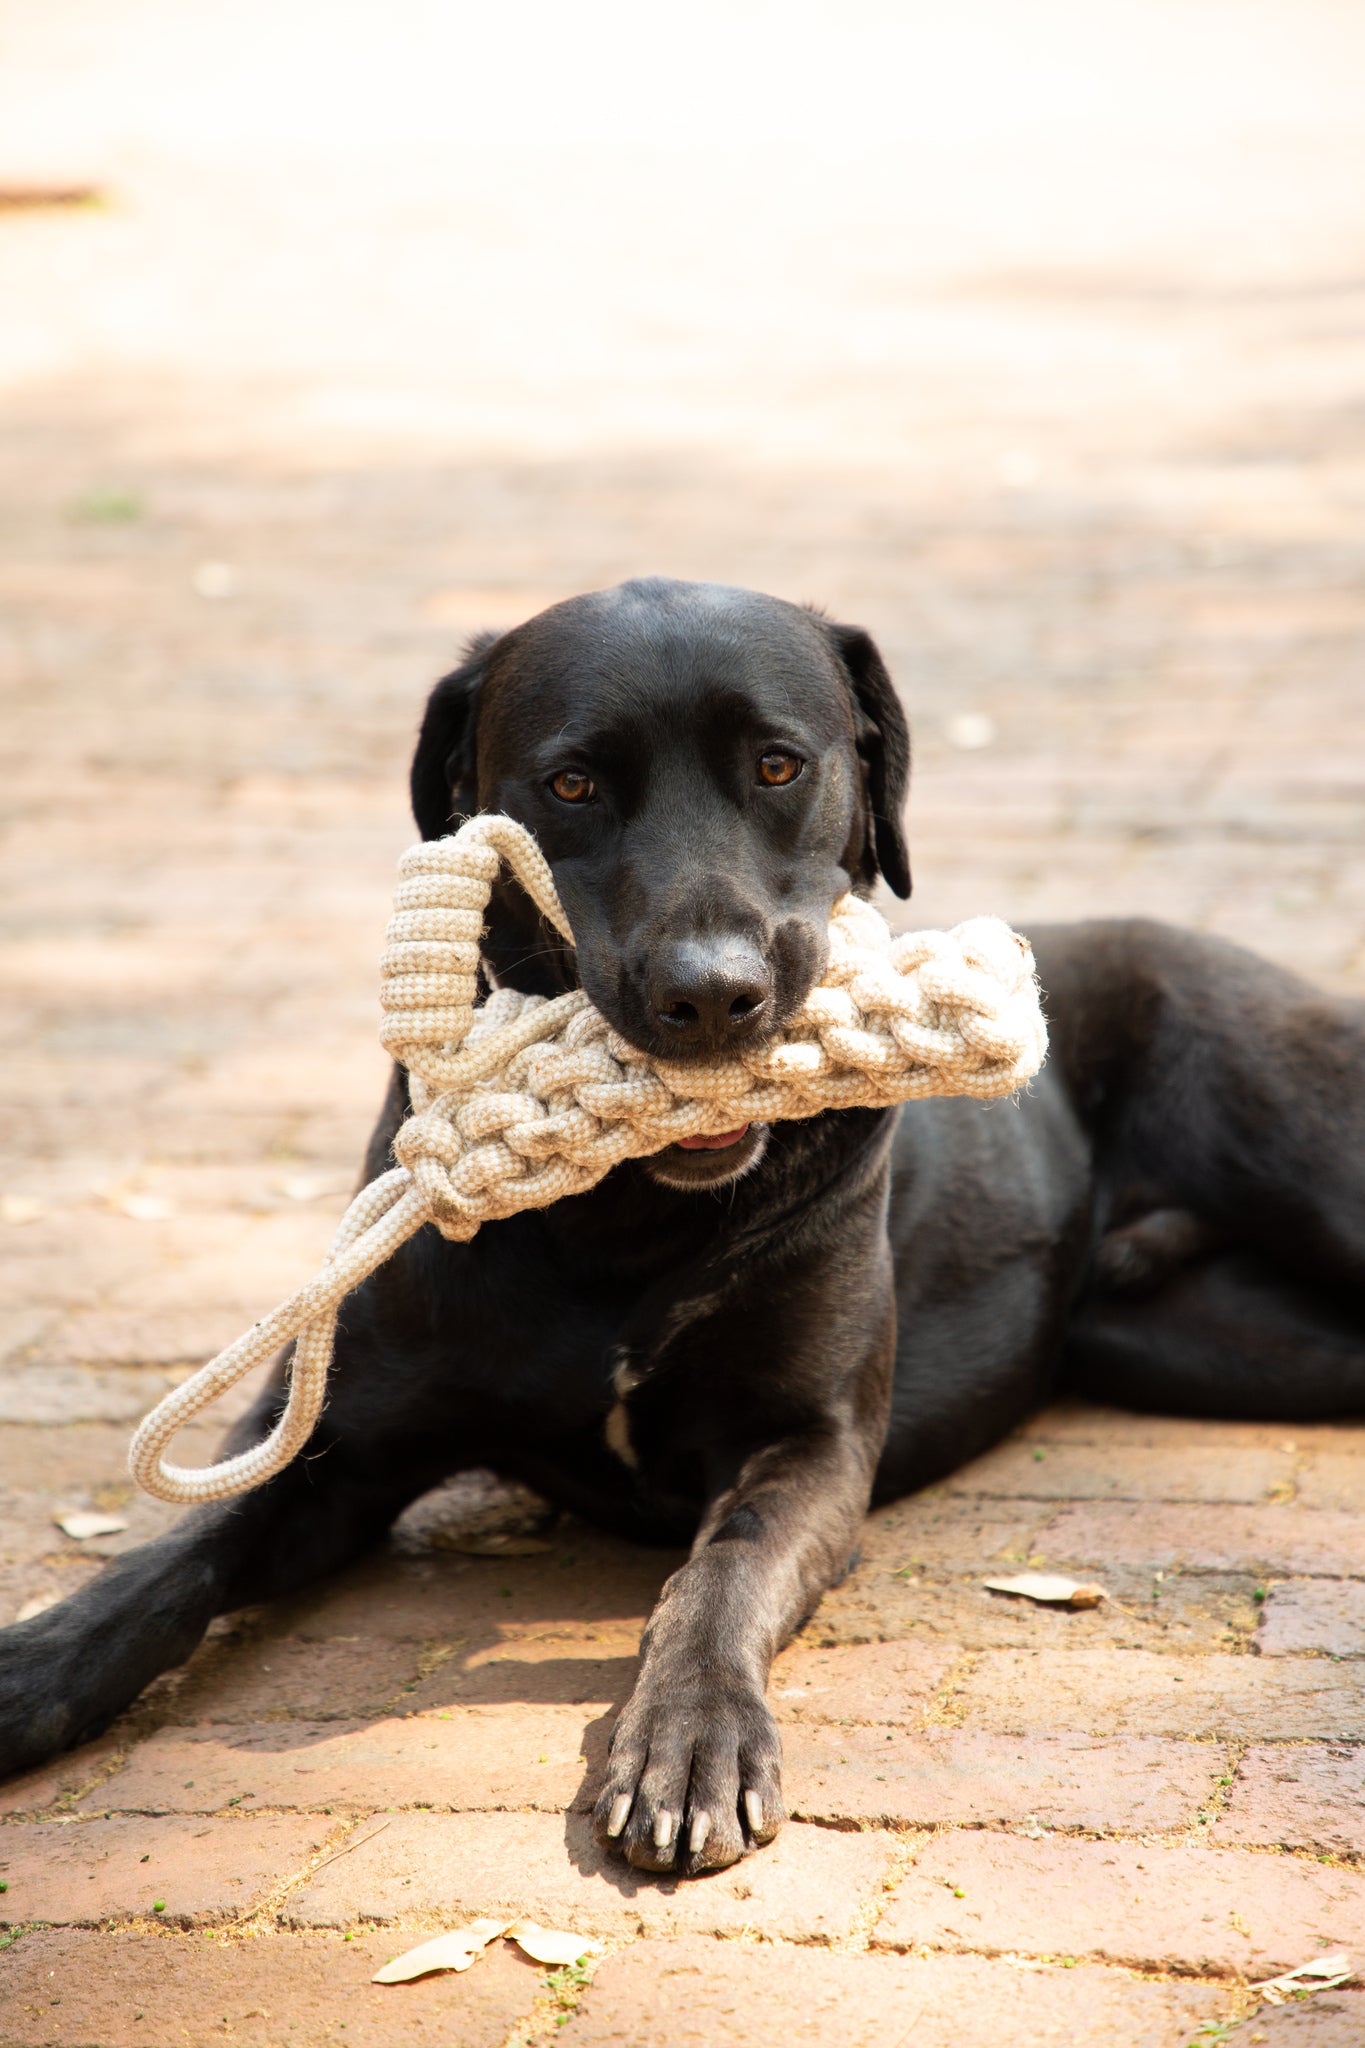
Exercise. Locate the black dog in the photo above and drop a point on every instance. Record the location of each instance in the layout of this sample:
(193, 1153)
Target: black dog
(740, 1344)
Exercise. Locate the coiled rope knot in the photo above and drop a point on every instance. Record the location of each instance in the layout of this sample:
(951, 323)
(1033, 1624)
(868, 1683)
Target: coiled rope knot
(525, 1099)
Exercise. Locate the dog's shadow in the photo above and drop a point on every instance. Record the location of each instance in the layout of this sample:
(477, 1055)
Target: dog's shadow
(571, 1681)
(482, 1680)
(486, 1676)
(518, 1633)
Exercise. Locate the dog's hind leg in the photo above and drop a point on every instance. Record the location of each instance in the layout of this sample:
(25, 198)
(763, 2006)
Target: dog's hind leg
(1221, 1093)
(1224, 1336)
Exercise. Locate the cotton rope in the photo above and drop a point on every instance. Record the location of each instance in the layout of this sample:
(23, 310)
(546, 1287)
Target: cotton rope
(528, 1099)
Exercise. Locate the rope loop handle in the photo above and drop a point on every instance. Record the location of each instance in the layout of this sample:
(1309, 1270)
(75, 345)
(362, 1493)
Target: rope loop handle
(524, 1100)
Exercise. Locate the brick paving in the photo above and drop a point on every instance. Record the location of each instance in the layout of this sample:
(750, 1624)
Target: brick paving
(1092, 468)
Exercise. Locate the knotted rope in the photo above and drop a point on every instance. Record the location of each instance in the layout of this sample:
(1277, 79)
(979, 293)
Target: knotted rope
(527, 1099)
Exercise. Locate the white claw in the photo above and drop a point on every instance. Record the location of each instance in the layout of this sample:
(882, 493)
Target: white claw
(700, 1829)
(620, 1813)
(753, 1808)
(663, 1828)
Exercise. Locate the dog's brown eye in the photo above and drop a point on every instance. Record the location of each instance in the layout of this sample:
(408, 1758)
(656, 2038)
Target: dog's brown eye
(571, 787)
(775, 768)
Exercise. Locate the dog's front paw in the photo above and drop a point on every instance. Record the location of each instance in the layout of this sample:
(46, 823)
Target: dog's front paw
(694, 1778)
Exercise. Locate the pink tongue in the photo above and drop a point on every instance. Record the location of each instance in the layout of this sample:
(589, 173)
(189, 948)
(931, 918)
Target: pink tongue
(717, 1144)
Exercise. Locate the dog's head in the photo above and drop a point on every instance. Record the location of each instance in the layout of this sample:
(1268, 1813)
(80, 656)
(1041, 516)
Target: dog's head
(707, 771)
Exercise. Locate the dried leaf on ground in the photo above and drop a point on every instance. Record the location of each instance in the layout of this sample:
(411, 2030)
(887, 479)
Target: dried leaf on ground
(549, 1944)
(142, 1208)
(464, 1945)
(85, 1523)
(309, 1187)
(39, 1604)
(453, 1951)
(1323, 1973)
(1049, 1589)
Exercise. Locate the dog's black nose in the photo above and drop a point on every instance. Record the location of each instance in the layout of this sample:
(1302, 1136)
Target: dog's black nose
(706, 991)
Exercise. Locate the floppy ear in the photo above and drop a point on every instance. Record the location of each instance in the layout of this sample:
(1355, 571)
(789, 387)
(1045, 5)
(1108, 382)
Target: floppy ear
(444, 769)
(883, 739)
(523, 950)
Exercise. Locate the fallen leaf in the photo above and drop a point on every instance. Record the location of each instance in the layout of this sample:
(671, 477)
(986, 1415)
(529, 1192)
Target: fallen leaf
(969, 731)
(142, 1208)
(39, 1604)
(307, 1187)
(217, 579)
(453, 1951)
(85, 1523)
(1323, 1973)
(1049, 1589)
(548, 1944)
(464, 1945)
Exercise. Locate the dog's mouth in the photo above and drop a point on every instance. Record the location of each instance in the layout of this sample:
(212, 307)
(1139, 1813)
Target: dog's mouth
(710, 1159)
(721, 1142)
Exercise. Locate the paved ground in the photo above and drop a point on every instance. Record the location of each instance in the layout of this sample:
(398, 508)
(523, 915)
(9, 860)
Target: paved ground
(1074, 421)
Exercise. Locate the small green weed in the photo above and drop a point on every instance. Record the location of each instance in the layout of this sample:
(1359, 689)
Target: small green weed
(567, 1986)
(108, 508)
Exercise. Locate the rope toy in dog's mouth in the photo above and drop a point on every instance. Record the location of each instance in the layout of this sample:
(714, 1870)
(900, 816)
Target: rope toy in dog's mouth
(525, 1100)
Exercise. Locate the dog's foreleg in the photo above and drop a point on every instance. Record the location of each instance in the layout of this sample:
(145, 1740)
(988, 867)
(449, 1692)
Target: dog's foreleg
(694, 1776)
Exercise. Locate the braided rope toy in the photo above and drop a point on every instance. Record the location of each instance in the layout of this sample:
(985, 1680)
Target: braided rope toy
(528, 1099)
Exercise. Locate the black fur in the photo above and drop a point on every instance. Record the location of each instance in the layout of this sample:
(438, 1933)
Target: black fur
(740, 1348)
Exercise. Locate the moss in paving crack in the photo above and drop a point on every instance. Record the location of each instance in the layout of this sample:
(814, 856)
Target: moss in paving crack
(108, 508)
(567, 1986)
(558, 2000)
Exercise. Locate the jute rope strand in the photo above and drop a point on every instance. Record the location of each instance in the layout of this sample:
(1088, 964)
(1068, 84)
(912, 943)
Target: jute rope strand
(526, 1100)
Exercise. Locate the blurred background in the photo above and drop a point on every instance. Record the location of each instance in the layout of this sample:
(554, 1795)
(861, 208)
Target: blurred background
(1030, 336)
